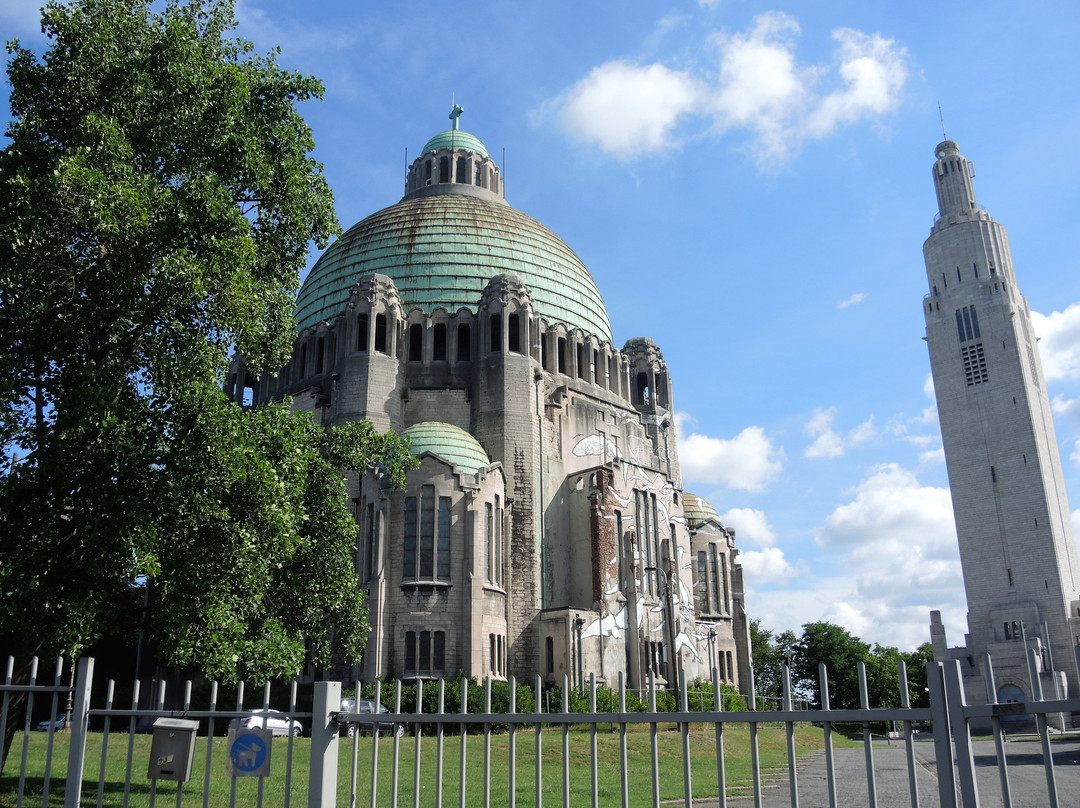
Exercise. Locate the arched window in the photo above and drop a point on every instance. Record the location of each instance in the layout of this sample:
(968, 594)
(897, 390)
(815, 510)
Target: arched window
(428, 171)
(427, 540)
(303, 360)
(462, 171)
(464, 342)
(513, 332)
(416, 342)
(641, 390)
(361, 331)
(320, 350)
(562, 354)
(496, 332)
(444, 169)
(380, 333)
(438, 345)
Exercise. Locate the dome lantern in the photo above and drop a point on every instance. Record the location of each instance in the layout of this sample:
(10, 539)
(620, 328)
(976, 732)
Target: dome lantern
(454, 162)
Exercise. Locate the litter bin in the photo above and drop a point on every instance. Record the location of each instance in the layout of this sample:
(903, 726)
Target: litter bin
(172, 749)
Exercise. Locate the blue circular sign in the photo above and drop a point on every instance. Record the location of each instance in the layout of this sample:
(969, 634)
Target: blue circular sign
(248, 752)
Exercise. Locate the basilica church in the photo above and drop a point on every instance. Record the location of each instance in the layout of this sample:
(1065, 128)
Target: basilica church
(546, 530)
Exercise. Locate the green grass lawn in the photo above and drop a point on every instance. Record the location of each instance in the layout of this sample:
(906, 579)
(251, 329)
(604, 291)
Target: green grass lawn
(771, 741)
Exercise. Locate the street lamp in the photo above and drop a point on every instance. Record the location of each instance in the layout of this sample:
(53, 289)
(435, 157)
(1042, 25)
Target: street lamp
(712, 654)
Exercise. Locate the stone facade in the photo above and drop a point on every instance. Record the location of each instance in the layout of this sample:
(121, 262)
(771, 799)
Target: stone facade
(558, 542)
(1013, 522)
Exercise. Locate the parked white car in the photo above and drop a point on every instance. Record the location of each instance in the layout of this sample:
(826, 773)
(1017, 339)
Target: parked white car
(273, 720)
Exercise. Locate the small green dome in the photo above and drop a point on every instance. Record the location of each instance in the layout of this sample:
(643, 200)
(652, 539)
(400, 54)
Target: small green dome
(455, 139)
(696, 510)
(441, 251)
(448, 442)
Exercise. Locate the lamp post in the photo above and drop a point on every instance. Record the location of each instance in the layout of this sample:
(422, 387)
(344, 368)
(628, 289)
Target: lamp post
(712, 654)
(579, 624)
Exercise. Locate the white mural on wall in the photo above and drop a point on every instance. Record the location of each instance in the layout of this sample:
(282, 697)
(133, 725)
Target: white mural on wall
(597, 446)
(611, 625)
(682, 641)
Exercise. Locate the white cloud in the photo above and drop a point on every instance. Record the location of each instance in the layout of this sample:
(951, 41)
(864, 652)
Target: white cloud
(929, 415)
(747, 462)
(873, 70)
(827, 442)
(1059, 342)
(628, 109)
(758, 86)
(766, 566)
(854, 300)
(932, 457)
(1066, 407)
(901, 620)
(892, 554)
(751, 527)
(761, 87)
(891, 505)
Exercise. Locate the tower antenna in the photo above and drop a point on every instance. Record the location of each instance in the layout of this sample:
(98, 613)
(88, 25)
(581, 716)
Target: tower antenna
(941, 115)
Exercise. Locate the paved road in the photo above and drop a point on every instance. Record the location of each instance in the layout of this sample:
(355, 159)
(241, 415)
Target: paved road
(1027, 778)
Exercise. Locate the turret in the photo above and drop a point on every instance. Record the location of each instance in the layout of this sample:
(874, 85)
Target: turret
(952, 180)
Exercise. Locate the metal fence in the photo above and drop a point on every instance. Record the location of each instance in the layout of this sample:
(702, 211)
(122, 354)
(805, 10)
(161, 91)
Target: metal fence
(542, 757)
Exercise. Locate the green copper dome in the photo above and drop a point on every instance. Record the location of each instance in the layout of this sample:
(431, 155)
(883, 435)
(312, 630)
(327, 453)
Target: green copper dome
(455, 139)
(696, 510)
(453, 444)
(442, 250)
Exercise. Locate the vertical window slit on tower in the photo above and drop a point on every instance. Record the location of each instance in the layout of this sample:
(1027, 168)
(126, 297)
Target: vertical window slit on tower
(464, 341)
(361, 331)
(438, 345)
(416, 342)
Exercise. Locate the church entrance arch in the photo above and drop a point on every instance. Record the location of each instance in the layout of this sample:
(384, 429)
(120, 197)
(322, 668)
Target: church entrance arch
(1011, 694)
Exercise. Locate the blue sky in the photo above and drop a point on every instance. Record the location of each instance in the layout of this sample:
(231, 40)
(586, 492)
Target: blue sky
(750, 186)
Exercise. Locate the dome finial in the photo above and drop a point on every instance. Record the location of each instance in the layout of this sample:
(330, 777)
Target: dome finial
(455, 113)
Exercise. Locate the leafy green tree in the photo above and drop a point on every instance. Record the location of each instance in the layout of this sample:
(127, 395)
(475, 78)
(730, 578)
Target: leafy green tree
(157, 200)
(883, 676)
(770, 652)
(916, 674)
(841, 652)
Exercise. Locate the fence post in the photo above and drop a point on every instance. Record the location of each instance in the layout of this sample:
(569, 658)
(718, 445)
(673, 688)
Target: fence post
(943, 752)
(965, 756)
(80, 714)
(322, 774)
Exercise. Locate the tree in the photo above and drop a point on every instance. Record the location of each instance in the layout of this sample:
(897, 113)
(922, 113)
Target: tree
(157, 199)
(916, 674)
(770, 652)
(841, 652)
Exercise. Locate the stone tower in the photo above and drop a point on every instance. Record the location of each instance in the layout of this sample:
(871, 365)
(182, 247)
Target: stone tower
(1017, 549)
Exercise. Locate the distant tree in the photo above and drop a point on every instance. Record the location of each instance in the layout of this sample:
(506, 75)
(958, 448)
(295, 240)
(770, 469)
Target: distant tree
(882, 676)
(770, 652)
(841, 652)
(157, 200)
(916, 674)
